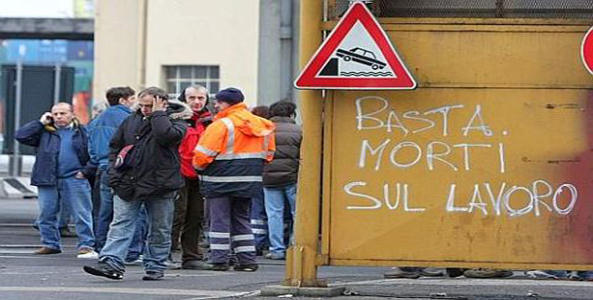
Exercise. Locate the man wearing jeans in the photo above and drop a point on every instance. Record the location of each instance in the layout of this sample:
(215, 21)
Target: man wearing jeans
(59, 174)
(147, 175)
(280, 176)
(101, 131)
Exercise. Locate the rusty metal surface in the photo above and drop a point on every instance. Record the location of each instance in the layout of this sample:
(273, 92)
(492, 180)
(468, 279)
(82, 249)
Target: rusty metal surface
(487, 163)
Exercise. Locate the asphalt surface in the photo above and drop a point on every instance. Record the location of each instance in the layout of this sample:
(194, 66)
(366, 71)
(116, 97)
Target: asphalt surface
(24, 275)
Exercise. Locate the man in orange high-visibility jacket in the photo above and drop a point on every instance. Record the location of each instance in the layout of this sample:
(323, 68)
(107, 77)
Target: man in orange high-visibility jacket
(230, 157)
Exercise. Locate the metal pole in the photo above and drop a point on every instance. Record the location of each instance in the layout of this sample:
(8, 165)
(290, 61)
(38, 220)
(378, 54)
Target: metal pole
(57, 80)
(301, 263)
(17, 111)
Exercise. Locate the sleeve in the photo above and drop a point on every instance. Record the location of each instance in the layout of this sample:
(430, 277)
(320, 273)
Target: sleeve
(210, 145)
(271, 146)
(92, 143)
(167, 132)
(30, 134)
(117, 142)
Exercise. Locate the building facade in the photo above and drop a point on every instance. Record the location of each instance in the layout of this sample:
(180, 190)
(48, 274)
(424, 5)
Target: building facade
(172, 44)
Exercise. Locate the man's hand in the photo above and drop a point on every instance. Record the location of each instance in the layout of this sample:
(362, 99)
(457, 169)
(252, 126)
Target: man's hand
(46, 118)
(159, 104)
(79, 175)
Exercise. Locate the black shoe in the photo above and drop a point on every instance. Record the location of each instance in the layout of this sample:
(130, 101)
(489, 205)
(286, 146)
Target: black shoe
(220, 267)
(246, 268)
(196, 265)
(455, 272)
(153, 276)
(104, 270)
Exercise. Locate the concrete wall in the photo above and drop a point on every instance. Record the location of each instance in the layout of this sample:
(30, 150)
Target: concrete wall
(116, 46)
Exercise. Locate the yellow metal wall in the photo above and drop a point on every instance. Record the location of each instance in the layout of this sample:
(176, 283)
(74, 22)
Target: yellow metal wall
(519, 118)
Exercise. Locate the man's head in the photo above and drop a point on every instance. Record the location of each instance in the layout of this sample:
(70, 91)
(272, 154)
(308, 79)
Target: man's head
(196, 96)
(147, 97)
(62, 114)
(228, 97)
(121, 95)
(283, 109)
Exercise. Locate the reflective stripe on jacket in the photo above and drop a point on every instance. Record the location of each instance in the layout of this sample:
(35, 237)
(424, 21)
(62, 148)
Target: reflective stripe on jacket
(231, 153)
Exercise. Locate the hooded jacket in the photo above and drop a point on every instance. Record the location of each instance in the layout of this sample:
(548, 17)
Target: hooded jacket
(155, 169)
(46, 141)
(231, 153)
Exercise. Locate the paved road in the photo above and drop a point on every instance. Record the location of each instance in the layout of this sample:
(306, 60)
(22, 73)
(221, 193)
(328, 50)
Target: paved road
(27, 276)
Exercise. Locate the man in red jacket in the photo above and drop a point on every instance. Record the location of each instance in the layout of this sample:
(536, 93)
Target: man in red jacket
(189, 208)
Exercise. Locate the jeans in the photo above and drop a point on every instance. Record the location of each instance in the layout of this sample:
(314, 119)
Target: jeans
(106, 216)
(274, 199)
(75, 194)
(105, 210)
(259, 221)
(139, 239)
(159, 210)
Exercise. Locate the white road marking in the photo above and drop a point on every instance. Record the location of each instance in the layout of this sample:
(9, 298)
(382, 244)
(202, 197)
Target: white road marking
(202, 294)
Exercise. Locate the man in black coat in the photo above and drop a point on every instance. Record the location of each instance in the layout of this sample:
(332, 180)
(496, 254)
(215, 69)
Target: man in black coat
(147, 173)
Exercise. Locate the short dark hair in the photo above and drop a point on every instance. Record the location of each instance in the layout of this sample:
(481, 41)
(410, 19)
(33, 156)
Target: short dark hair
(115, 93)
(261, 111)
(155, 92)
(282, 109)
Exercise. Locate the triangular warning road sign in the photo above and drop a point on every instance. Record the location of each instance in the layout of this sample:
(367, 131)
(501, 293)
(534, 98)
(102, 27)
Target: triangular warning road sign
(356, 55)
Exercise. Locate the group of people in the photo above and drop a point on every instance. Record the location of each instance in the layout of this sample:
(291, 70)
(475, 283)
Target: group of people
(167, 173)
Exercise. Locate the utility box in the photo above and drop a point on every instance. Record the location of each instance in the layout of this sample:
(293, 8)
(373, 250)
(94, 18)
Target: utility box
(38, 96)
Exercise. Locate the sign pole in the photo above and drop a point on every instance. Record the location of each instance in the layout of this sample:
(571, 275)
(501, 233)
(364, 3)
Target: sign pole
(301, 263)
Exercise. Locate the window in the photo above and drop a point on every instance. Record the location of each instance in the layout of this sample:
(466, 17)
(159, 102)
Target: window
(567, 9)
(180, 77)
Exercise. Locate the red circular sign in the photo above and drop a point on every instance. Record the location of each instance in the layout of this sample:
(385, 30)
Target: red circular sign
(587, 50)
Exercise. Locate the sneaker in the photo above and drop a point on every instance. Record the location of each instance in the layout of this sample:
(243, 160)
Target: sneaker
(47, 250)
(104, 270)
(220, 267)
(432, 272)
(246, 268)
(196, 265)
(153, 276)
(275, 256)
(87, 253)
(172, 264)
(404, 272)
(542, 274)
(487, 273)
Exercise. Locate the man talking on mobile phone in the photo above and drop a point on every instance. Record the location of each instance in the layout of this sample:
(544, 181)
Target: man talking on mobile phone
(59, 174)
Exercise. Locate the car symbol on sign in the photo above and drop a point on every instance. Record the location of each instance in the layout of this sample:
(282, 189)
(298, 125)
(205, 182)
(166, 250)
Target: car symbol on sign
(361, 56)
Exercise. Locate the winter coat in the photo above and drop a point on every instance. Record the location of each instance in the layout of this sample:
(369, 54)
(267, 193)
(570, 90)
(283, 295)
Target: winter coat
(231, 153)
(46, 141)
(197, 125)
(101, 131)
(155, 169)
(283, 170)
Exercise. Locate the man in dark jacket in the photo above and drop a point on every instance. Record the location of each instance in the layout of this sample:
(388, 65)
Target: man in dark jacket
(280, 176)
(59, 174)
(148, 175)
